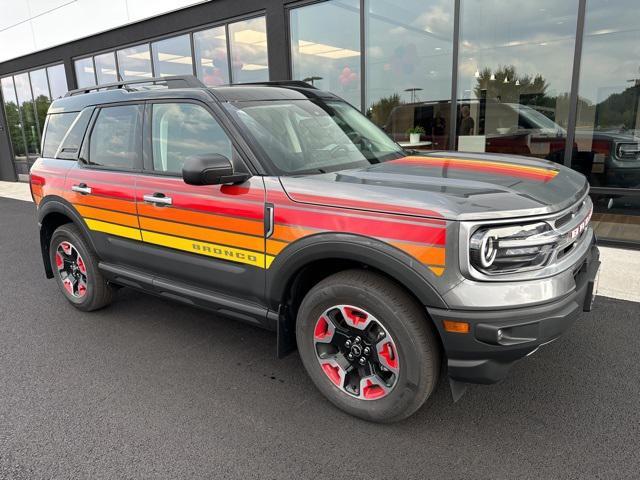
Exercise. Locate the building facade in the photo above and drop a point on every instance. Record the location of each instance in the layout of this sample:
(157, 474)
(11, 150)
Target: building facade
(554, 80)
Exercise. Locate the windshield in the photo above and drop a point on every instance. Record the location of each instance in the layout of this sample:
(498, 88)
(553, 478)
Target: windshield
(305, 136)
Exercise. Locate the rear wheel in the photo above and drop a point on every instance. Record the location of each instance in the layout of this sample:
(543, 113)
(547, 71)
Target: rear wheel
(368, 346)
(75, 268)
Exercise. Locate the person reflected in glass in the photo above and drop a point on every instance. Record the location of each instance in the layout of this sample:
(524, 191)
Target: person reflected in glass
(467, 123)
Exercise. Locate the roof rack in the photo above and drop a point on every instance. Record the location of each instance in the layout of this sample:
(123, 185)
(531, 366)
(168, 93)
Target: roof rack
(183, 81)
(280, 83)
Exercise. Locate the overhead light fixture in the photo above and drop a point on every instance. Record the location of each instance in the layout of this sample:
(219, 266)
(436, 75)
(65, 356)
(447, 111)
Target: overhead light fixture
(517, 83)
(324, 50)
(493, 76)
(477, 74)
(506, 80)
(253, 66)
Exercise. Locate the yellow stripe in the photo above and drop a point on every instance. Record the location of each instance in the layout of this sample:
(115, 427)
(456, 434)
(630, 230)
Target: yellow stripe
(437, 270)
(113, 229)
(268, 261)
(204, 248)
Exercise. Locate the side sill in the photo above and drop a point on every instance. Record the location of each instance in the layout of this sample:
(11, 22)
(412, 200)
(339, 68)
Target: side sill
(220, 304)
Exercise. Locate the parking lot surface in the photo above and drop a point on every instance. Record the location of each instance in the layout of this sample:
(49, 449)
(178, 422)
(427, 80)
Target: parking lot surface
(152, 389)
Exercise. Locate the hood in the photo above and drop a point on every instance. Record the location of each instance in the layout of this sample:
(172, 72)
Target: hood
(449, 185)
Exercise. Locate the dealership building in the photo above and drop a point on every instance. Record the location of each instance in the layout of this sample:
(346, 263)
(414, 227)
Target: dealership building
(554, 80)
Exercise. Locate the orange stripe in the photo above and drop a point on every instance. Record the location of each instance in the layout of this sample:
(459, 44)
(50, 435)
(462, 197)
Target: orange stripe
(290, 233)
(101, 202)
(205, 234)
(251, 227)
(424, 254)
(274, 247)
(108, 216)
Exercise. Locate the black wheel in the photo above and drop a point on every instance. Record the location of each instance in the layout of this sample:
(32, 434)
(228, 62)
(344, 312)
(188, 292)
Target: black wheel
(368, 346)
(75, 267)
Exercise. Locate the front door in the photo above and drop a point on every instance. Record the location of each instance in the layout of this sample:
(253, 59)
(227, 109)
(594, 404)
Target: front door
(209, 237)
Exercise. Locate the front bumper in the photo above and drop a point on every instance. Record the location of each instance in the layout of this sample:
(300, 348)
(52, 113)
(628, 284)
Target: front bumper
(498, 338)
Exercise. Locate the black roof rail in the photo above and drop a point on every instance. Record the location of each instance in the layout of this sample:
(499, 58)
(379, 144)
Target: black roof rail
(278, 83)
(182, 81)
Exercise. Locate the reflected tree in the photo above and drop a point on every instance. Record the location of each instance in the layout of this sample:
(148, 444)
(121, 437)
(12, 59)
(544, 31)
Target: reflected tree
(380, 110)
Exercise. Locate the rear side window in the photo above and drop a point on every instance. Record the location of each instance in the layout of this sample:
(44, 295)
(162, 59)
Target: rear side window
(57, 127)
(71, 142)
(180, 130)
(115, 140)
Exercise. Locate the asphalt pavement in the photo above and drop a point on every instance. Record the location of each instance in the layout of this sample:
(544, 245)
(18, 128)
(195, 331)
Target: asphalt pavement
(152, 389)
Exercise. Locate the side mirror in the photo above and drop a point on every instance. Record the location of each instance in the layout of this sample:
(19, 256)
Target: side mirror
(210, 169)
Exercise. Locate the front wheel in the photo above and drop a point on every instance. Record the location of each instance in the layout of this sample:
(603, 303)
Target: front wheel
(368, 346)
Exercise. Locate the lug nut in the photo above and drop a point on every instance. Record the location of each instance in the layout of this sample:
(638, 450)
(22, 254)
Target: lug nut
(350, 356)
(358, 339)
(367, 350)
(363, 360)
(347, 343)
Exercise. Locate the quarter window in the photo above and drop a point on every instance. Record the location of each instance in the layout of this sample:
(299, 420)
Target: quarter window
(180, 130)
(57, 127)
(115, 140)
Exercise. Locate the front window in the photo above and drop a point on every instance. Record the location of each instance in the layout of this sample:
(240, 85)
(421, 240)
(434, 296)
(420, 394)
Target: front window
(304, 136)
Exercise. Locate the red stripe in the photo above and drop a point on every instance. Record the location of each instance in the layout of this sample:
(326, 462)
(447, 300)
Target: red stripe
(370, 227)
(507, 171)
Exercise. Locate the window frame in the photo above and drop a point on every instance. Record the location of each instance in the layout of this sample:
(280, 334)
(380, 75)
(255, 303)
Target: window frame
(84, 159)
(237, 159)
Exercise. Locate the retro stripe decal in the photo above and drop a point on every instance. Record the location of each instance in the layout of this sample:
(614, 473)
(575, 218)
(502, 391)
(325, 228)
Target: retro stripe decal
(113, 229)
(500, 168)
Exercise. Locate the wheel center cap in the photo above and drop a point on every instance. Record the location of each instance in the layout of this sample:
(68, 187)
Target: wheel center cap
(356, 350)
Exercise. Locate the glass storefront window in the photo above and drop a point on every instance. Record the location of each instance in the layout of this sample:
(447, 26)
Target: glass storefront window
(408, 60)
(14, 122)
(608, 124)
(172, 56)
(328, 58)
(248, 47)
(40, 89)
(27, 111)
(212, 65)
(85, 73)
(57, 81)
(134, 63)
(106, 68)
(514, 76)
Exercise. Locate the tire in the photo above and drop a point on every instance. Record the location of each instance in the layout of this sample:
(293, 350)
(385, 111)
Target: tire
(396, 378)
(83, 284)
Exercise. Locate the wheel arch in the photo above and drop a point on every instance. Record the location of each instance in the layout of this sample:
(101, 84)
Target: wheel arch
(307, 261)
(53, 212)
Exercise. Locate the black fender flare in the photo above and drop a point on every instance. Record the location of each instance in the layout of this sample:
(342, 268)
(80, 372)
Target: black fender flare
(56, 204)
(406, 270)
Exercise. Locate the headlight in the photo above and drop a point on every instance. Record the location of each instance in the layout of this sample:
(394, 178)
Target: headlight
(628, 151)
(513, 248)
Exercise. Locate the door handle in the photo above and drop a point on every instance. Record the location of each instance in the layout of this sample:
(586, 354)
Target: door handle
(158, 199)
(82, 188)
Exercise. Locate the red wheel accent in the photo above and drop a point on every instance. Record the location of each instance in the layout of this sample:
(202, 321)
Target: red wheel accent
(389, 355)
(355, 317)
(66, 247)
(322, 328)
(81, 266)
(68, 286)
(59, 261)
(333, 372)
(372, 391)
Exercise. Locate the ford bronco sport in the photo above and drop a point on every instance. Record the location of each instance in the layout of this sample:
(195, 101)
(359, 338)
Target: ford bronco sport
(282, 206)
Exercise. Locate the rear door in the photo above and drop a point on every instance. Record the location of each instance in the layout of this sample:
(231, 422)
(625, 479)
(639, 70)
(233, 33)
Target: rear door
(101, 187)
(212, 236)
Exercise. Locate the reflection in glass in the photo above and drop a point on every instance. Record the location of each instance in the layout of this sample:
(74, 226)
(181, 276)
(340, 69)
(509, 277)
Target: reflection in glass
(211, 56)
(85, 74)
(172, 56)
(25, 101)
(13, 120)
(57, 81)
(134, 63)
(608, 123)
(40, 89)
(515, 76)
(106, 68)
(248, 46)
(408, 68)
(328, 58)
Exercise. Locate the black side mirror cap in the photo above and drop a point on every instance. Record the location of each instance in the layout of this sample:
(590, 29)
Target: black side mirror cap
(211, 169)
